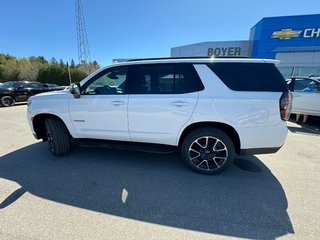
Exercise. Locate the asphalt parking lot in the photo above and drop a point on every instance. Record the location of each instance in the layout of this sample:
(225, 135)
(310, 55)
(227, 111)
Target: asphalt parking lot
(110, 194)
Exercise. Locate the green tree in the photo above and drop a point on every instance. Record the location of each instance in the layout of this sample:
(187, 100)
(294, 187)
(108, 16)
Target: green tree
(53, 61)
(10, 70)
(40, 60)
(1, 71)
(72, 64)
(37, 68)
(61, 63)
(94, 66)
(77, 74)
(27, 70)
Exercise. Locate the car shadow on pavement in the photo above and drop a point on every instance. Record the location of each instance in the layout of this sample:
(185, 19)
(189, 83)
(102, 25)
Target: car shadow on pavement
(312, 127)
(303, 130)
(245, 201)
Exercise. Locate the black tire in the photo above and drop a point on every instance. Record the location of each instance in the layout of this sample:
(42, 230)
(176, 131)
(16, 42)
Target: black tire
(57, 136)
(208, 150)
(7, 101)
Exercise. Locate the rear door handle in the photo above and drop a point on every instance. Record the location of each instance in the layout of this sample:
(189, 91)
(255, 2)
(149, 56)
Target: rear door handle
(117, 103)
(180, 103)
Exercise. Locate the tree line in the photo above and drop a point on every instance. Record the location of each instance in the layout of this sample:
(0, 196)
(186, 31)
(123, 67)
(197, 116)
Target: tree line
(41, 70)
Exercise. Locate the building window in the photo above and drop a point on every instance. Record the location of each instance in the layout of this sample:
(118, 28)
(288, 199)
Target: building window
(286, 71)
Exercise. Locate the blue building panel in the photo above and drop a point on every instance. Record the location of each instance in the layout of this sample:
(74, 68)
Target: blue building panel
(279, 33)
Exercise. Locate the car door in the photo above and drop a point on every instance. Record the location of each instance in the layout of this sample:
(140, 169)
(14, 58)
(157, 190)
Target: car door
(101, 110)
(162, 99)
(22, 91)
(306, 97)
(35, 88)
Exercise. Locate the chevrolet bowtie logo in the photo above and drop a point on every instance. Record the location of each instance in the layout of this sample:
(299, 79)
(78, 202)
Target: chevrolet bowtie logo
(286, 34)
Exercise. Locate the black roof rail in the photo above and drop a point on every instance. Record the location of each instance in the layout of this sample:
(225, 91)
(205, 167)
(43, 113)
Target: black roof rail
(168, 58)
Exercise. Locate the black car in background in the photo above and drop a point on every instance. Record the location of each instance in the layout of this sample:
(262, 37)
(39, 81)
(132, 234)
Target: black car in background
(52, 87)
(20, 91)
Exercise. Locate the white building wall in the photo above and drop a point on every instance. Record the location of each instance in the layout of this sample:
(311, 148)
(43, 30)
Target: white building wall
(299, 59)
(220, 48)
(299, 63)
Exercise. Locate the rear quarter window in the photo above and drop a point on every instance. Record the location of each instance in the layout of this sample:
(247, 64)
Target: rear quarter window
(256, 77)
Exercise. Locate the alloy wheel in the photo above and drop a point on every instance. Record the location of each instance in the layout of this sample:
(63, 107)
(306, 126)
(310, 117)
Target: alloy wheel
(208, 153)
(7, 101)
(50, 141)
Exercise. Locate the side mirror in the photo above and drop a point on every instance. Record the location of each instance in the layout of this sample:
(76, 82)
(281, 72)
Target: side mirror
(75, 89)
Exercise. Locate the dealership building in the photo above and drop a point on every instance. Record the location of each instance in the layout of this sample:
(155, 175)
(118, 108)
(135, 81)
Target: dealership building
(294, 40)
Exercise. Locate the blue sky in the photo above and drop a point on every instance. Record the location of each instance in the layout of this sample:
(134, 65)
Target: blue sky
(132, 28)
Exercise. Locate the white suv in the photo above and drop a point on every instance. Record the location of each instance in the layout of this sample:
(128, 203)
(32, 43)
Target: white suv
(212, 109)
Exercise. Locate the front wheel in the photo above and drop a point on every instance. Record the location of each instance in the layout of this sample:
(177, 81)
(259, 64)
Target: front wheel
(208, 150)
(57, 136)
(7, 101)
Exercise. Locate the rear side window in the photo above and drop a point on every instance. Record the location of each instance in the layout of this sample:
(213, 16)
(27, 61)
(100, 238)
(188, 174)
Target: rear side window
(256, 77)
(163, 79)
(31, 85)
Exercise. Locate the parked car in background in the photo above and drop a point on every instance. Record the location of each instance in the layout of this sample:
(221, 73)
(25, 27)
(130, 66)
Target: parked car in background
(52, 86)
(20, 91)
(306, 95)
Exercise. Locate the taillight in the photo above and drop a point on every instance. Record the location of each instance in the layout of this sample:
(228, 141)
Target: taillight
(285, 105)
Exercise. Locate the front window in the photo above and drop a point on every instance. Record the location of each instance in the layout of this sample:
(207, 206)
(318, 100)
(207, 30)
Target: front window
(313, 86)
(110, 81)
(301, 84)
(306, 85)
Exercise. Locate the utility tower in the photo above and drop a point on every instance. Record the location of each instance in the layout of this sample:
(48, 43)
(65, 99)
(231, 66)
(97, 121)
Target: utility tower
(83, 46)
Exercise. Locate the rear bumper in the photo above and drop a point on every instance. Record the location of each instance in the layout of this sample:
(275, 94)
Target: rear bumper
(253, 151)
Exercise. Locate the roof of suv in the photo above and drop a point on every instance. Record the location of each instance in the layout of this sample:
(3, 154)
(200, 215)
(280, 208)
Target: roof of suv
(198, 60)
(193, 60)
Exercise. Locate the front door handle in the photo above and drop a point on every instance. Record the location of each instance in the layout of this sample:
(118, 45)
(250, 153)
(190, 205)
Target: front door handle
(180, 103)
(117, 103)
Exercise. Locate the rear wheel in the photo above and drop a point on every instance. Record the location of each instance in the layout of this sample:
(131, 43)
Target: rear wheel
(7, 101)
(208, 150)
(57, 136)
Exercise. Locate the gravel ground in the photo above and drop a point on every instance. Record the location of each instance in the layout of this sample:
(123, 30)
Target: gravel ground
(109, 194)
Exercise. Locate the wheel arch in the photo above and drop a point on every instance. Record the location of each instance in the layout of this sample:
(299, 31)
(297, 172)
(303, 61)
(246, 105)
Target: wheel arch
(227, 129)
(39, 126)
(9, 95)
